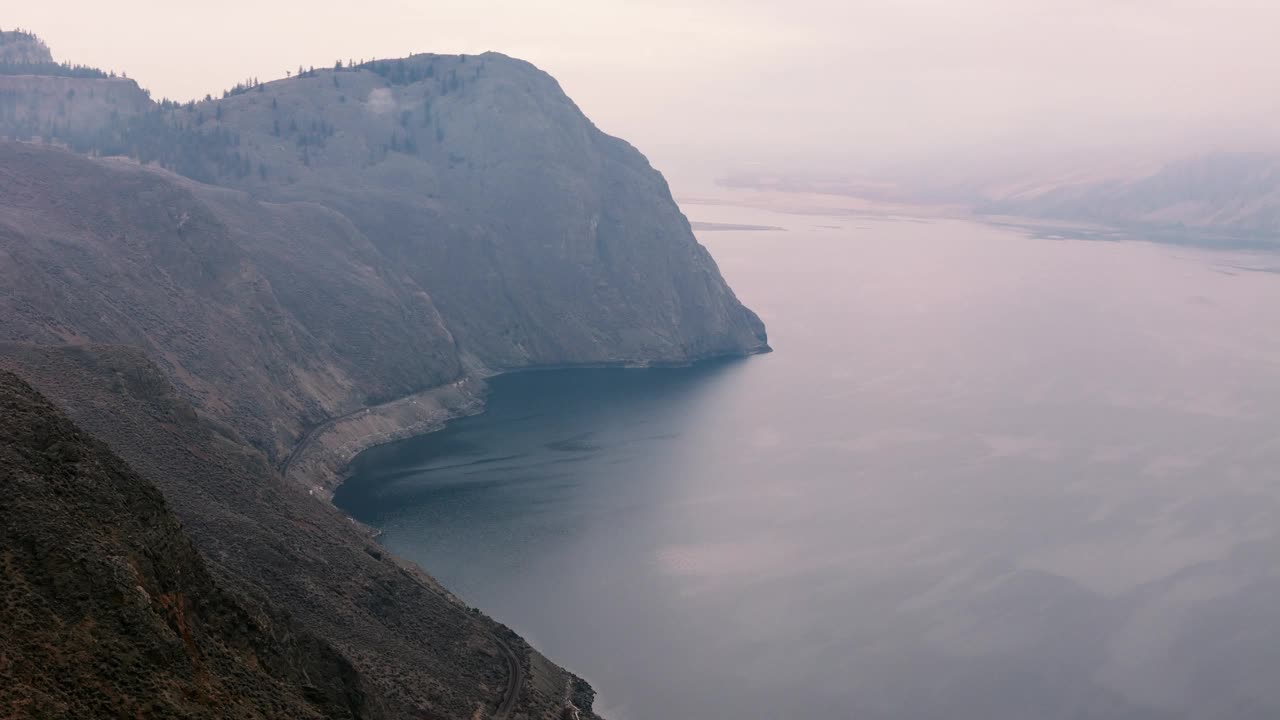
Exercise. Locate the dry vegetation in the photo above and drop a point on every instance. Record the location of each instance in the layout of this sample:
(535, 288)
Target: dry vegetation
(417, 649)
(269, 317)
(109, 610)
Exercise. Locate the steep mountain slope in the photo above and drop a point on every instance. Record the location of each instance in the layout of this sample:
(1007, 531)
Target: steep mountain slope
(106, 609)
(428, 217)
(1230, 197)
(271, 317)
(541, 240)
(418, 651)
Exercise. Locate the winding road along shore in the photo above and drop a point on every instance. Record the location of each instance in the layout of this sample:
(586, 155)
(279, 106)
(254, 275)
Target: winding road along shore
(319, 459)
(515, 668)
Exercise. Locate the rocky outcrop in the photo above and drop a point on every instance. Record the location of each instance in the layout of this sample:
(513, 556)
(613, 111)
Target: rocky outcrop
(541, 239)
(22, 48)
(56, 107)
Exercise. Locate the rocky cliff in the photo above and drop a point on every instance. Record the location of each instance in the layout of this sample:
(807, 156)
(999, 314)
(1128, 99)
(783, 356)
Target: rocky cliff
(399, 224)
(541, 239)
(23, 48)
(36, 107)
(264, 267)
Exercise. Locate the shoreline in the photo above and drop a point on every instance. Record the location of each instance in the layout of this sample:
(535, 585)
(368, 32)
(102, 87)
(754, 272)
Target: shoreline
(326, 452)
(841, 205)
(321, 459)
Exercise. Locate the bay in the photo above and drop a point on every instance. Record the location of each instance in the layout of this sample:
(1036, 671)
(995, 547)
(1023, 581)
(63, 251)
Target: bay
(986, 474)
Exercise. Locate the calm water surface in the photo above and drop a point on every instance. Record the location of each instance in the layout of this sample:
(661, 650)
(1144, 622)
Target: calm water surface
(984, 476)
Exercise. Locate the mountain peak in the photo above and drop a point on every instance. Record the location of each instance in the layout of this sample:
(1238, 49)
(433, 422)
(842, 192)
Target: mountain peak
(19, 47)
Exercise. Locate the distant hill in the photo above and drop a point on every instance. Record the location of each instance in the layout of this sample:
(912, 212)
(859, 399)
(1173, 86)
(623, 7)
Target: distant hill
(1212, 199)
(1222, 197)
(18, 47)
(22, 53)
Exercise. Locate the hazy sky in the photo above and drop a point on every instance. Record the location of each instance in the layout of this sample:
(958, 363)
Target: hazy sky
(806, 81)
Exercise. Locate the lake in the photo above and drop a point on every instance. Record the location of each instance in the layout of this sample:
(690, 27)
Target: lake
(985, 475)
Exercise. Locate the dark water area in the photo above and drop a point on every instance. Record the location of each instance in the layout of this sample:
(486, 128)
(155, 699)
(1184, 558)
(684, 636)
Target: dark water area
(983, 476)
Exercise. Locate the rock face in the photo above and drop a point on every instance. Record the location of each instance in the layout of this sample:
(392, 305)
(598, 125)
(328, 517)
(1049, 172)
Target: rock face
(542, 240)
(108, 610)
(53, 106)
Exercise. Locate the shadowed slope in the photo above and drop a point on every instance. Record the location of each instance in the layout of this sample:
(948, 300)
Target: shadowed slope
(419, 651)
(106, 610)
(269, 317)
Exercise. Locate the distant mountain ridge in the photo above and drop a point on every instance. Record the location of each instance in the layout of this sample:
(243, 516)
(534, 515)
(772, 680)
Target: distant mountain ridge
(1235, 196)
(1222, 199)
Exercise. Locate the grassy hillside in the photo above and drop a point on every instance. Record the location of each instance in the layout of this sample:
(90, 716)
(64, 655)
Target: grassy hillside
(269, 317)
(108, 610)
(418, 650)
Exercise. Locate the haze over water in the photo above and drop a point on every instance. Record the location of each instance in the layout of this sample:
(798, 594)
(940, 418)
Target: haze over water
(985, 475)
